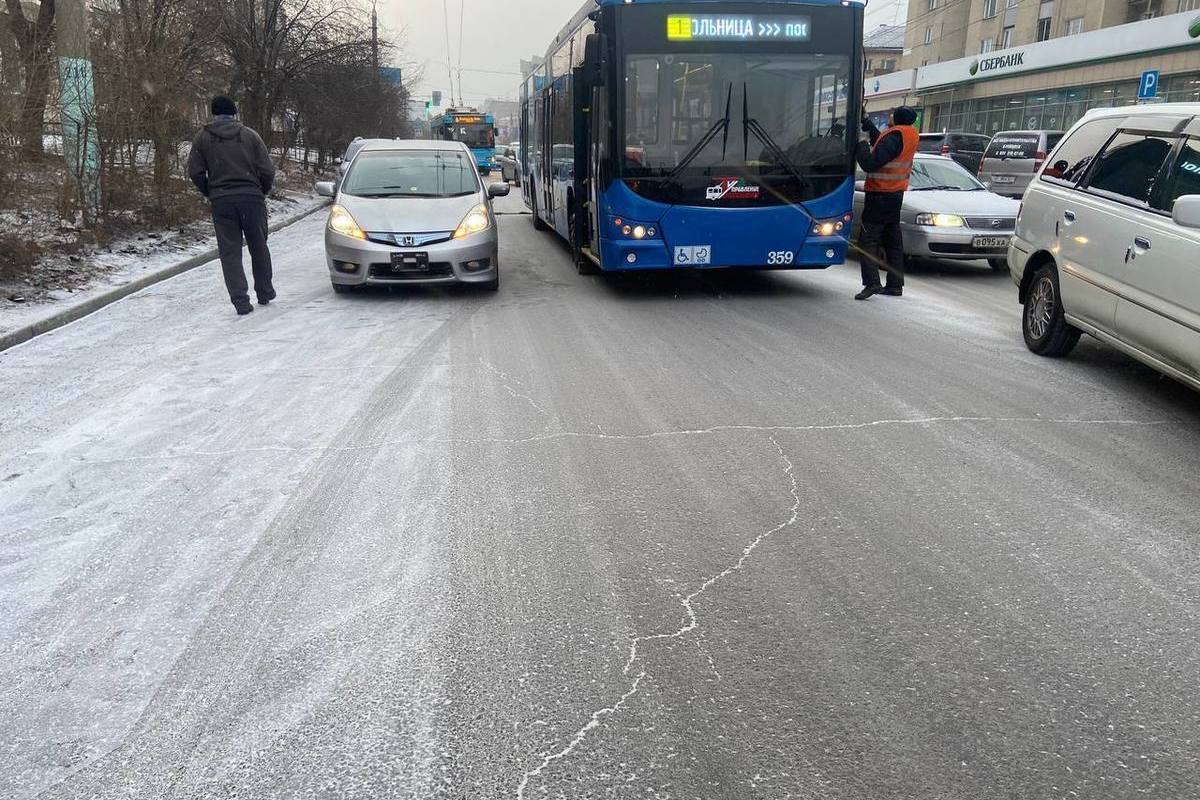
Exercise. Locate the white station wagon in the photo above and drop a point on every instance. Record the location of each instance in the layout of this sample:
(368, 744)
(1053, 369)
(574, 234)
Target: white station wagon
(1108, 239)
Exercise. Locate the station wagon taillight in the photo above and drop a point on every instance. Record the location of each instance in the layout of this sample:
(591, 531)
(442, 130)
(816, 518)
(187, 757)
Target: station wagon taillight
(945, 148)
(1039, 160)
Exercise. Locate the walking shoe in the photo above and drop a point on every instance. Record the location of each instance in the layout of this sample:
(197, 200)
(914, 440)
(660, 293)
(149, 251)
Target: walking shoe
(894, 291)
(244, 310)
(868, 293)
(265, 299)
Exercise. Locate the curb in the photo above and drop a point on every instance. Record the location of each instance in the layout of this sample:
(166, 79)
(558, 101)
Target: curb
(69, 315)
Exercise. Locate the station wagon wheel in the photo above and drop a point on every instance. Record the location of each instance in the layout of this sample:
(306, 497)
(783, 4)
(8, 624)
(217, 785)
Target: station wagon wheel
(1044, 324)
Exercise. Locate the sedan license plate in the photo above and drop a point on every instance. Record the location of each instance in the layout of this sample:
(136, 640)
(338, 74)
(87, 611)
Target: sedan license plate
(1004, 179)
(410, 262)
(990, 242)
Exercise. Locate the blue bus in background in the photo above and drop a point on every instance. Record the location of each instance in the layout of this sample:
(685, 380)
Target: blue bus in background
(666, 133)
(477, 131)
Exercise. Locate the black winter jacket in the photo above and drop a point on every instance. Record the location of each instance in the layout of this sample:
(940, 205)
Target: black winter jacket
(230, 161)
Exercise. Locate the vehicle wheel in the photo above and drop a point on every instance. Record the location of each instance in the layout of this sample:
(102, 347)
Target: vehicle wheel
(538, 225)
(998, 264)
(584, 265)
(341, 288)
(1046, 330)
(493, 285)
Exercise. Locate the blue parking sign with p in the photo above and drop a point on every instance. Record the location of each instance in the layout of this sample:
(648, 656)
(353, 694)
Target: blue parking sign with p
(1148, 90)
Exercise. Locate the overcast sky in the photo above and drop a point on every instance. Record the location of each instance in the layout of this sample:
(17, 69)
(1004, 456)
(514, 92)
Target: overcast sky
(498, 33)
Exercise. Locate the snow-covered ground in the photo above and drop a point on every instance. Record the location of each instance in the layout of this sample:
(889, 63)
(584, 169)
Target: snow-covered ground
(128, 258)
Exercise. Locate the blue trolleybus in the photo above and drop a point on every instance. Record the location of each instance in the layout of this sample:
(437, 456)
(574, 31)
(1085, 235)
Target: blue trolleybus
(477, 131)
(661, 134)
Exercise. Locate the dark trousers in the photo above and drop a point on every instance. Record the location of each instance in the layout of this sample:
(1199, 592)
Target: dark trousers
(236, 222)
(882, 246)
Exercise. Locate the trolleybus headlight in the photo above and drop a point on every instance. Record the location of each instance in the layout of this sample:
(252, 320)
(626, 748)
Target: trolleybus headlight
(940, 221)
(830, 227)
(477, 220)
(639, 232)
(341, 221)
(627, 230)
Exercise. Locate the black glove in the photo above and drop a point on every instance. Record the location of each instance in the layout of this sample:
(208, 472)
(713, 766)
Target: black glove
(867, 125)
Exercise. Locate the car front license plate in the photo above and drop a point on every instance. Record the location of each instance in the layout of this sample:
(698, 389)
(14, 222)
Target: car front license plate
(991, 242)
(1004, 179)
(410, 262)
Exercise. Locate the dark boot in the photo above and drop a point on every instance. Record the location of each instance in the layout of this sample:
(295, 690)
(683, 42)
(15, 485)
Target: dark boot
(265, 299)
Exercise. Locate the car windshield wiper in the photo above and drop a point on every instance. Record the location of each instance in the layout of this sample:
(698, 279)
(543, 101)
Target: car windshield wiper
(717, 127)
(940, 189)
(752, 125)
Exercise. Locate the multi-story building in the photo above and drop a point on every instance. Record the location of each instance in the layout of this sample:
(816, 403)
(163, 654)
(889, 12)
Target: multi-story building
(882, 49)
(991, 65)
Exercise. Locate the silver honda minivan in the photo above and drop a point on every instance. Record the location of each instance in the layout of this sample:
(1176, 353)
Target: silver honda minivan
(412, 212)
(1012, 158)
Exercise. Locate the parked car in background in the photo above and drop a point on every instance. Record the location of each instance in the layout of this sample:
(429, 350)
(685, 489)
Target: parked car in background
(509, 161)
(949, 214)
(965, 148)
(1108, 241)
(1012, 159)
(412, 212)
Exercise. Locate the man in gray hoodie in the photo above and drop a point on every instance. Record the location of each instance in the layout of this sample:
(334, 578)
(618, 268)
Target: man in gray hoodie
(230, 166)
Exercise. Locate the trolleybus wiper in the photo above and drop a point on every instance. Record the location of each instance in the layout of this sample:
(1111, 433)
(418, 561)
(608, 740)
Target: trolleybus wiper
(717, 127)
(752, 125)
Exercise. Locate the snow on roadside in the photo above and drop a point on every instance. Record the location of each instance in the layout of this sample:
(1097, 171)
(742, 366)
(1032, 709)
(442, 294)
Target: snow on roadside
(128, 258)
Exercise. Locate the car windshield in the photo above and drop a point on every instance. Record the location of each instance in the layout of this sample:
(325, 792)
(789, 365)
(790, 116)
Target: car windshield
(929, 174)
(411, 173)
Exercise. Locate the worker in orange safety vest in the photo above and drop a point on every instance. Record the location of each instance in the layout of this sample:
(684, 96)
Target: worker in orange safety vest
(887, 158)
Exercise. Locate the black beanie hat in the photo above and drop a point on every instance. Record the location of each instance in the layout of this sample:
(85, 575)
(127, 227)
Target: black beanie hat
(222, 106)
(904, 116)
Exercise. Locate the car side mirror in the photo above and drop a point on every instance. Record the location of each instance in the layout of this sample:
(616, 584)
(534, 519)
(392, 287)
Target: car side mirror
(1187, 211)
(499, 190)
(325, 189)
(337, 160)
(860, 186)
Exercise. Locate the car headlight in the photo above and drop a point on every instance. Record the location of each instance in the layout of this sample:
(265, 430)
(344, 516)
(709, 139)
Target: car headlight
(343, 222)
(477, 220)
(941, 221)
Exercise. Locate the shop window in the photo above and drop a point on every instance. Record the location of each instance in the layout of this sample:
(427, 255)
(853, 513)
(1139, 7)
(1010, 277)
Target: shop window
(1130, 165)
(1072, 160)
(1184, 178)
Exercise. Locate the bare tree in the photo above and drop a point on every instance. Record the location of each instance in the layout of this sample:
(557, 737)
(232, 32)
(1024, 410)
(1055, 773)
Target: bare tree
(272, 43)
(35, 43)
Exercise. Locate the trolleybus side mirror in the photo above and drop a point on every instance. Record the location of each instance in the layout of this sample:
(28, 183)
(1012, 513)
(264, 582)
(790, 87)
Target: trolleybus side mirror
(593, 58)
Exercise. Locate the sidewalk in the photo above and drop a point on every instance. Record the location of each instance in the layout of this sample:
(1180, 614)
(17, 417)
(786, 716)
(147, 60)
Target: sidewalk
(128, 267)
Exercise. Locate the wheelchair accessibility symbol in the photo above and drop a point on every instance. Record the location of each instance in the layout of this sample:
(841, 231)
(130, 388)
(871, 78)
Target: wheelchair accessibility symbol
(700, 256)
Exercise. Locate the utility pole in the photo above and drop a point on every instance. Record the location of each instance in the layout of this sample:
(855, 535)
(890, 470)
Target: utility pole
(80, 142)
(374, 43)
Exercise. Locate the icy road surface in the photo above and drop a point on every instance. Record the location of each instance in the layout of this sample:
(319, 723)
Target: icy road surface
(704, 538)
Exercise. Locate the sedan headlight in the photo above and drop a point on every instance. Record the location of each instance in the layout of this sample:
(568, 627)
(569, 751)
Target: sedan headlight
(343, 222)
(941, 221)
(477, 220)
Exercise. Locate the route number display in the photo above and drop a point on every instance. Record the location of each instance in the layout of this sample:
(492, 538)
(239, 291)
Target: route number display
(738, 28)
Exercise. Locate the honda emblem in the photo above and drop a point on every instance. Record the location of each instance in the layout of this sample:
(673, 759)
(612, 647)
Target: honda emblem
(406, 241)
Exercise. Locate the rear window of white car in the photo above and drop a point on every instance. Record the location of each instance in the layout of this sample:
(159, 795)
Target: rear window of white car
(412, 173)
(930, 144)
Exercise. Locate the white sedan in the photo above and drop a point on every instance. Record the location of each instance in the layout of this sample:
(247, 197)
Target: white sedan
(949, 214)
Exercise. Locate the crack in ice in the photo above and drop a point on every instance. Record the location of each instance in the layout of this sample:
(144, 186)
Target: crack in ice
(633, 437)
(507, 382)
(692, 623)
